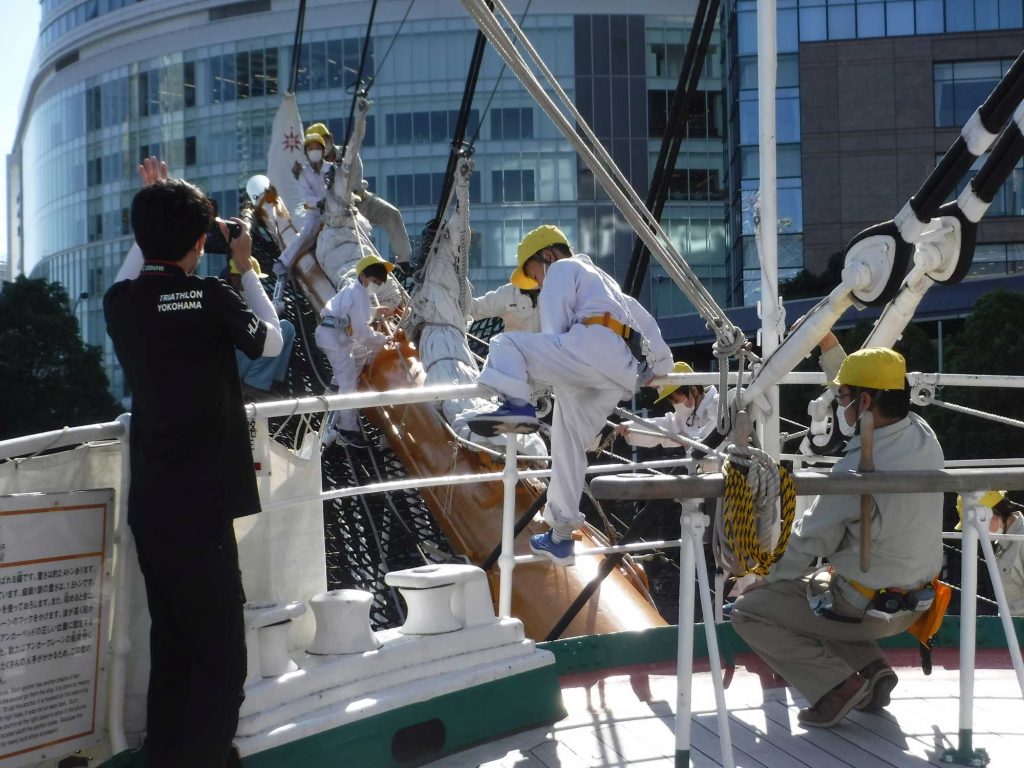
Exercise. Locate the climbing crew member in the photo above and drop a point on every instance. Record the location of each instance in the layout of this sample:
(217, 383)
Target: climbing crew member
(817, 629)
(517, 307)
(175, 334)
(312, 189)
(1007, 517)
(694, 414)
(348, 340)
(593, 347)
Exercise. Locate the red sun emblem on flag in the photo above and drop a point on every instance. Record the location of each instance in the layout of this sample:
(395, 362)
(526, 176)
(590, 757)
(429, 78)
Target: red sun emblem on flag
(292, 141)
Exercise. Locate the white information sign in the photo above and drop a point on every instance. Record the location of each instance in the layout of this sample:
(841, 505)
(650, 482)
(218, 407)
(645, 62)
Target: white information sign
(54, 585)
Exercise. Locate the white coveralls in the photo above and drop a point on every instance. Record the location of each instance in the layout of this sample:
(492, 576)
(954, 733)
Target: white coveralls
(351, 343)
(695, 425)
(813, 653)
(589, 366)
(512, 305)
(1010, 559)
(311, 191)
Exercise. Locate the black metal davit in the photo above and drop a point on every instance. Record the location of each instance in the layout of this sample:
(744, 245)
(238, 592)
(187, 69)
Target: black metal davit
(675, 132)
(300, 22)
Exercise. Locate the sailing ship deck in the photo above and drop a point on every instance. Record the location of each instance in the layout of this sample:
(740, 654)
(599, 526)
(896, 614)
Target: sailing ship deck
(625, 717)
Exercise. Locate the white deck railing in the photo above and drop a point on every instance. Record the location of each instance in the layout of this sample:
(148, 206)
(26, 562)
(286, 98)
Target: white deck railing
(968, 479)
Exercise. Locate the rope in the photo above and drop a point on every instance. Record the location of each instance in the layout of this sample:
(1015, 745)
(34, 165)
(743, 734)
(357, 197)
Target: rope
(980, 414)
(359, 85)
(380, 64)
(750, 497)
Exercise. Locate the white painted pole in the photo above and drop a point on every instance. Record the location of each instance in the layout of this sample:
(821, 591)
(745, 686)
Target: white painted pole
(968, 612)
(711, 634)
(771, 311)
(684, 643)
(507, 559)
(1004, 608)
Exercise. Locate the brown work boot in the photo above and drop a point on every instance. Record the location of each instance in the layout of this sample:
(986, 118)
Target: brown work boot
(881, 680)
(836, 704)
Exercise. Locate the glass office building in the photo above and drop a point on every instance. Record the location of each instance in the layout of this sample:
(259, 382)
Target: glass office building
(950, 54)
(198, 84)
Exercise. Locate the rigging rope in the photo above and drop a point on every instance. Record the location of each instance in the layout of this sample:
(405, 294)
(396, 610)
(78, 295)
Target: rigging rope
(751, 496)
(380, 64)
(359, 85)
(300, 22)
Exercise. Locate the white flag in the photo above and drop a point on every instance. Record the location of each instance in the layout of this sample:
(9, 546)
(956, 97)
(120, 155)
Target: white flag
(286, 149)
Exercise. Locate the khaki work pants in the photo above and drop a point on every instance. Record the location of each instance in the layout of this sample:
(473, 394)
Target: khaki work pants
(812, 653)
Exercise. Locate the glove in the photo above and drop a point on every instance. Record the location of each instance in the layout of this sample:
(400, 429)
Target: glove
(644, 374)
(279, 268)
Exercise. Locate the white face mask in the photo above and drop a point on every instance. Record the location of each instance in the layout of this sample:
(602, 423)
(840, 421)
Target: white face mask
(372, 288)
(847, 429)
(683, 409)
(315, 155)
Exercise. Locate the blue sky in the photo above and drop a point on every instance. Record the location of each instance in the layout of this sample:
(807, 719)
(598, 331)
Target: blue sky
(18, 35)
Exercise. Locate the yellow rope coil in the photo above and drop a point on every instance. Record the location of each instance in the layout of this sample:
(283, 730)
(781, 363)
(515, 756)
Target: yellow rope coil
(740, 527)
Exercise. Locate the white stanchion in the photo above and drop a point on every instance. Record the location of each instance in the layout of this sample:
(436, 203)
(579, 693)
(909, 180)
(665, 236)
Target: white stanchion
(700, 522)
(507, 559)
(1004, 607)
(124, 548)
(684, 643)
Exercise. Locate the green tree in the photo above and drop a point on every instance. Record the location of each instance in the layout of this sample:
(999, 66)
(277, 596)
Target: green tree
(806, 284)
(49, 378)
(991, 343)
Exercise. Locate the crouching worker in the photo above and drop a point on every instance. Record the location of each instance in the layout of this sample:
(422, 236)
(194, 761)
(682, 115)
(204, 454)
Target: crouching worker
(818, 629)
(348, 340)
(1007, 517)
(590, 350)
(694, 414)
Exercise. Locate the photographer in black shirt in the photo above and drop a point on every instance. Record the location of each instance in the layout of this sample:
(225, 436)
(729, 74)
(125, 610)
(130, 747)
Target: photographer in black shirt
(191, 465)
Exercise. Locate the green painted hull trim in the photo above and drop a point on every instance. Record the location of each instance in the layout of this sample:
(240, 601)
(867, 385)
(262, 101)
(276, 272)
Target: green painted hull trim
(422, 732)
(682, 758)
(652, 646)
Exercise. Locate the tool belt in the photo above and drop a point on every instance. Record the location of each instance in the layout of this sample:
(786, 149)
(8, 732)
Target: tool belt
(890, 600)
(633, 338)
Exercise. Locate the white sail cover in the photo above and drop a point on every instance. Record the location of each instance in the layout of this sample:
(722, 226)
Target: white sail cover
(286, 149)
(439, 319)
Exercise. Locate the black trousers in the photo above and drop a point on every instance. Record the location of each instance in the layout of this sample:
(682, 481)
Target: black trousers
(196, 643)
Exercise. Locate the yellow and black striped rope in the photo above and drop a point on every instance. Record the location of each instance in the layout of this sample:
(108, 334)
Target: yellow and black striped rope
(740, 527)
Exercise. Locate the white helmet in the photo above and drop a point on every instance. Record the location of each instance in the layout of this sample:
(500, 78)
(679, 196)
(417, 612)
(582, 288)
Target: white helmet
(256, 186)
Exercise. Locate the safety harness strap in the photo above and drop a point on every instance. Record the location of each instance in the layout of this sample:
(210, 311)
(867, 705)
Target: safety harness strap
(633, 338)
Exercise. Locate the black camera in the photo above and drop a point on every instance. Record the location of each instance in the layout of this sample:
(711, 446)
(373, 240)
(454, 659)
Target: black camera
(234, 230)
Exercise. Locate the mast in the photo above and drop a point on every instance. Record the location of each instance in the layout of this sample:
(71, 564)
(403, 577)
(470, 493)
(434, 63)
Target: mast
(768, 215)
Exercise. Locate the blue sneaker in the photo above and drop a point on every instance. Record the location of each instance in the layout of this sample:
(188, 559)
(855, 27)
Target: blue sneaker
(506, 418)
(561, 553)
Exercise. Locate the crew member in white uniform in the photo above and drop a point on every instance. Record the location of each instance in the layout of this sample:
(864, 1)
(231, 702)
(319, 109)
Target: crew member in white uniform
(312, 189)
(517, 307)
(1007, 517)
(694, 415)
(348, 340)
(825, 647)
(583, 353)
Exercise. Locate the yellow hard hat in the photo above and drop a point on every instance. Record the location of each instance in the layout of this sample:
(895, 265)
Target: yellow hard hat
(255, 268)
(537, 240)
(369, 260)
(319, 129)
(989, 499)
(876, 368)
(314, 138)
(668, 389)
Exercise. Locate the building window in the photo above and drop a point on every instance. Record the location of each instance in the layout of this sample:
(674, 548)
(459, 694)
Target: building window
(695, 184)
(189, 83)
(94, 172)
(705, 120)
(512, 186)
(190, 150)
(1009, 200)
(961, 87)
(512, 123)
(428, 127)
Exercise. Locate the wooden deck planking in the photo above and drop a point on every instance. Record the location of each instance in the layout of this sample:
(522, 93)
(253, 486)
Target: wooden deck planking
(627, 719)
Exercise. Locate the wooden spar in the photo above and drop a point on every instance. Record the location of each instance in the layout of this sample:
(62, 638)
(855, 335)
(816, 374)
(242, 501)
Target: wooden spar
(867, 502)
(470, 515)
